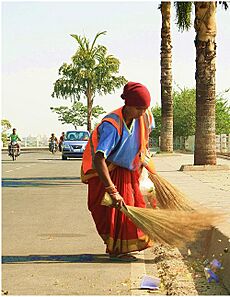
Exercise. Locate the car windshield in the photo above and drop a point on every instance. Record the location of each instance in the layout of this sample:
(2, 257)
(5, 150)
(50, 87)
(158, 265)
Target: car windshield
(77, 136)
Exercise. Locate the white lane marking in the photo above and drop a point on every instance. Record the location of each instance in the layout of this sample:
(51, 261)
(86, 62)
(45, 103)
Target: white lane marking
(9, 170)
(18, 168)
(137, 272)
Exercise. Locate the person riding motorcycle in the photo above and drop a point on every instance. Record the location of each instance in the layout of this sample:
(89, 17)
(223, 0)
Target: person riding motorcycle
(53, 141)
(14, 138)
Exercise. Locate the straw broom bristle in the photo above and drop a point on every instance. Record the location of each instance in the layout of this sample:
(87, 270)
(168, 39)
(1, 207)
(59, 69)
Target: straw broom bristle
(170, 227)
(173, 227)
(168, 196)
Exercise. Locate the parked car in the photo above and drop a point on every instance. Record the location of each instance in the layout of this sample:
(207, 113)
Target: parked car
(74, 144)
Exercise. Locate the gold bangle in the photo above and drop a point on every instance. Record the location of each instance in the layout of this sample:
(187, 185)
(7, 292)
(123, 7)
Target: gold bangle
(110, 187)
(114, 193)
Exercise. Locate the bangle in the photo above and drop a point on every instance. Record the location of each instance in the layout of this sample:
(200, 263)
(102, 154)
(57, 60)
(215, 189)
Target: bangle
(114, 191)
(114, 194)
(110, 187)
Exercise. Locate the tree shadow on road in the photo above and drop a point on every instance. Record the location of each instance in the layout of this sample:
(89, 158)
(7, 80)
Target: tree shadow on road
(45, 259)
(40, 181)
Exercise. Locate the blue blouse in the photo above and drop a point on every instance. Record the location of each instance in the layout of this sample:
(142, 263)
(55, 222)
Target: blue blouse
(120, 150)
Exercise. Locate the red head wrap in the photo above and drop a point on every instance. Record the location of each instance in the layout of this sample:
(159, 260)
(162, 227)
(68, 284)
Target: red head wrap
(136, 94)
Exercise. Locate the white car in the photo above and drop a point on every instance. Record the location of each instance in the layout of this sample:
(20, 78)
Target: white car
(74, 144)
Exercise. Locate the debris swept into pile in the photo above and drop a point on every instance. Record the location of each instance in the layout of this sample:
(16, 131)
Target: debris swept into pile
(183, 275)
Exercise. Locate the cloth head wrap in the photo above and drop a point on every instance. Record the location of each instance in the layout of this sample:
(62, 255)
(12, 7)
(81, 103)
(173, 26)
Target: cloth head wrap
(135, 94)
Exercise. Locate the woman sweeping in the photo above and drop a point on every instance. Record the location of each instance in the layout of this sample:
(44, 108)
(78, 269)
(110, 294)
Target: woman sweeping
(112, 163)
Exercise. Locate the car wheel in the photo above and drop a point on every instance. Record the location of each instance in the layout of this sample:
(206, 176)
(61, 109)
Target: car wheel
(64, 157)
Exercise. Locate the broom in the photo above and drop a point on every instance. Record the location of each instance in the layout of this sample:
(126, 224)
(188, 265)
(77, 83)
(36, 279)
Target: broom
(167, 226)
(168, 196)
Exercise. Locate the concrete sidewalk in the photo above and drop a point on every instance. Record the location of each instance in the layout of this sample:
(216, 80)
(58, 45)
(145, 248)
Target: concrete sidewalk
(210, 189)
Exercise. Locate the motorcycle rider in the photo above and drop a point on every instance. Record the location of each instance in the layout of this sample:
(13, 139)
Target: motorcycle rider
(53, 139)
(62, 138)
(14, 138)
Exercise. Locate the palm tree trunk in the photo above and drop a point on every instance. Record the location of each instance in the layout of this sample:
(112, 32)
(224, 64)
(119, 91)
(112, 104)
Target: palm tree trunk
(166, 136)
(205, 27)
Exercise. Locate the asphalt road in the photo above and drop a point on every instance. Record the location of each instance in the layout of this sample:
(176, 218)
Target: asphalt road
(50, 245)
(49, 242)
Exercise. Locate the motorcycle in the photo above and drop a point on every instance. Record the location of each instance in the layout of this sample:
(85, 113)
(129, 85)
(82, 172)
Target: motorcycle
(14, 150)
(53, 147)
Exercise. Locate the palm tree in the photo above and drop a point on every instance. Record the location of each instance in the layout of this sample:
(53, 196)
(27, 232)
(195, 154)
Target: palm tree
(205, 27)
(205, 136)
(91, 72)
(166, 136)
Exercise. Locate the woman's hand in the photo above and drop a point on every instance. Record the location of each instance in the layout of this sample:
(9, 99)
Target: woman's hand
(117, 200)
(116, 197)
(103, 172)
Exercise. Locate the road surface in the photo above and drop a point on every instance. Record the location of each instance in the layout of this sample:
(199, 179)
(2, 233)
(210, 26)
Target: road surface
(50, 244)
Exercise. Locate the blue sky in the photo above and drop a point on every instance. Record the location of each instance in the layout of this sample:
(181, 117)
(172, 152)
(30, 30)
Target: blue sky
(36, 41)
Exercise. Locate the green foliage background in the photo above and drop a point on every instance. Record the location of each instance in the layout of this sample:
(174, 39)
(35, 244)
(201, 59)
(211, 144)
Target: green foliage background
(184, 112)
(76, 114)
(6, 125)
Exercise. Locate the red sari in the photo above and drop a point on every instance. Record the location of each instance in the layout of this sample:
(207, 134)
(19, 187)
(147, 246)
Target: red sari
(118, 232)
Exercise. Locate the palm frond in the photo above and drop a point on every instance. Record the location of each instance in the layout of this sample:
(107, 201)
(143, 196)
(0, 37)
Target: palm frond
(98, 34)
(183, 15)
(224, 4)
(80, 41)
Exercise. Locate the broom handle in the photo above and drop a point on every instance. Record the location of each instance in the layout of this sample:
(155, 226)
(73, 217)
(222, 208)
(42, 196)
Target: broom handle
(123, 205)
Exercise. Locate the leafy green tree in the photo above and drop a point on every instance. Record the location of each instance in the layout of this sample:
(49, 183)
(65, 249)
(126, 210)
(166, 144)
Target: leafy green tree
(91, 72)
(185, 114)
(156, 111)
(77, 114)
(222, 115)
(6, 125)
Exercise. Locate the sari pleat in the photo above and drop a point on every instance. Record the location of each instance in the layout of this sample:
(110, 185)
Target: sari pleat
(118, 232)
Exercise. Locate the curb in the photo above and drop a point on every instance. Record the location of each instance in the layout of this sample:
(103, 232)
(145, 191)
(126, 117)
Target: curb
(191, 167)
(218, 246)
